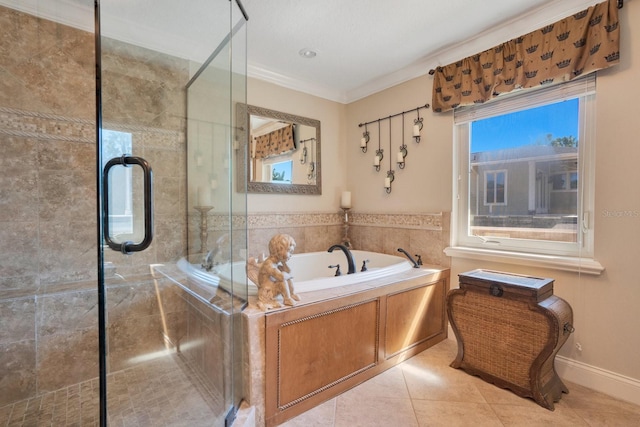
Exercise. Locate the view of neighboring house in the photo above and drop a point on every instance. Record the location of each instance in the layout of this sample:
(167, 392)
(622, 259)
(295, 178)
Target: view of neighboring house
(533, 186)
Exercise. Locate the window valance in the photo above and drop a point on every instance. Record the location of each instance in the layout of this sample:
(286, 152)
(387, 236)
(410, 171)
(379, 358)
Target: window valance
(274, 143)
(579, 44)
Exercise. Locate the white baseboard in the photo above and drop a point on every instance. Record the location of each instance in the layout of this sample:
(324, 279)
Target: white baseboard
(601, 380)
(607, 382)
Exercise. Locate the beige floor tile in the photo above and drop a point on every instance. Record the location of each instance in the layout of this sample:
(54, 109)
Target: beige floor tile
(534, 416)
(353, 410)
(596, 418)
(322, 415)
(453, 414)
(496, 395)
(429, 381)
(390, 384)
(582, 398)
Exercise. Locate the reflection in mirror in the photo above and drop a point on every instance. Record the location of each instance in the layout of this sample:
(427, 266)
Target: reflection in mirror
(283, 152)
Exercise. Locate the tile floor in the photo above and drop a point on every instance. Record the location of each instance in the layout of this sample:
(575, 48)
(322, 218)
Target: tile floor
(162, 392)
(425, 391)
(422, 391)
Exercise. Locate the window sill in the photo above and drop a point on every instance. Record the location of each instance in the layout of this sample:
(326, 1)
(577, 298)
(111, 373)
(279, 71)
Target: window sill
(577, 265)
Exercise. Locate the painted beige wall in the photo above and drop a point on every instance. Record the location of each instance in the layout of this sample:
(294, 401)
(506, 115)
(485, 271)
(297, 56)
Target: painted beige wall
(424, 184)
(334, 163)
(605, 307)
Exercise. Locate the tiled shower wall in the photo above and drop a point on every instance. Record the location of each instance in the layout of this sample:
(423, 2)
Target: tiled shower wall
(48, 268)
(48, 297)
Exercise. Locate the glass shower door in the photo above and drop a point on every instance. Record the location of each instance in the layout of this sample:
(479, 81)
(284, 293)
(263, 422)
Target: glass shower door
(171, 74)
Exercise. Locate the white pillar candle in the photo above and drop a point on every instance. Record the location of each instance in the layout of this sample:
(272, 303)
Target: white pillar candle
(387, 182)
(400, 157)
(416, 130)
(345, 200)
(207, 198)
(363, 142)
(376, 160)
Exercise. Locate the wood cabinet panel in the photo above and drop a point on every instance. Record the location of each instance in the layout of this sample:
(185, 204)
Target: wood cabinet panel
(320, 350)
(316, 351)
(413, 316)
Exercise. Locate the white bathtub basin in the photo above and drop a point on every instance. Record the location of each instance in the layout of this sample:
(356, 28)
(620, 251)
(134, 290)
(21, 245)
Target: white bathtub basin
(310, 271)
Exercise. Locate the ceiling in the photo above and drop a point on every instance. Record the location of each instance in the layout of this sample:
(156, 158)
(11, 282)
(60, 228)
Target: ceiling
(362, 46)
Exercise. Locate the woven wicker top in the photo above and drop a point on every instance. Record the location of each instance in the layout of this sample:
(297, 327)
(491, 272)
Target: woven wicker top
(508, 278)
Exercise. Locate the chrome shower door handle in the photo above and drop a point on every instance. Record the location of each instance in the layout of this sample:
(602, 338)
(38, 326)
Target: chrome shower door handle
(129, 247)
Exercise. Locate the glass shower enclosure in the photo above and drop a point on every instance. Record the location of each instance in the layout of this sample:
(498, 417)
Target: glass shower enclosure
(118, 160)
(171, 76)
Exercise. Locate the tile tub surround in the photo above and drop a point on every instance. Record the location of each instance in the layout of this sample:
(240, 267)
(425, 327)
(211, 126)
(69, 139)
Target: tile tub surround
(424, 234)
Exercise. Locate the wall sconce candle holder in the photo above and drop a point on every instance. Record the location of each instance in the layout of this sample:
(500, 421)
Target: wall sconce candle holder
(401, 156)
(388, 180)
(417, 127)
(364, 141)
(378, 158)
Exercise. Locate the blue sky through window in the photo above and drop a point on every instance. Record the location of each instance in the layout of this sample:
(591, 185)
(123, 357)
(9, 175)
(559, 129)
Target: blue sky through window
(528, 127)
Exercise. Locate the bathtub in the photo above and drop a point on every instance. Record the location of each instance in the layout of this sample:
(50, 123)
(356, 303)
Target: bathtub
(310, 271)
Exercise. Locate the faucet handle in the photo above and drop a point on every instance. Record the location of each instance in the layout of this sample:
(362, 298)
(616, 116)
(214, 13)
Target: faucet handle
(364, 265)
(338, 272)
(419, 259)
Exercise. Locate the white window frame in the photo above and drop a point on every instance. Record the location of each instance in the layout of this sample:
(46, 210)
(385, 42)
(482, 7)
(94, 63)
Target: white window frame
(577, 256)
(495, 193)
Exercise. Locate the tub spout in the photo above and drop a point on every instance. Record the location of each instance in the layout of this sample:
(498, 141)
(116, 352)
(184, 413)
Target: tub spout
(348, 254)
(413, 261)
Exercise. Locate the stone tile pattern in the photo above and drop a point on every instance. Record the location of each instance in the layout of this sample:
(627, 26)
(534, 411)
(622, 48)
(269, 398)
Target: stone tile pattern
(164, 391)
(424, 234)
(48, 298)
(425, 391)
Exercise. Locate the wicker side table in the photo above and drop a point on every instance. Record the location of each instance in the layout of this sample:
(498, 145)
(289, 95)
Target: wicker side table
(509, 329)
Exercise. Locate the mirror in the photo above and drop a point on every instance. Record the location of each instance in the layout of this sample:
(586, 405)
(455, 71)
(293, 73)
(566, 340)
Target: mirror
(282, 152)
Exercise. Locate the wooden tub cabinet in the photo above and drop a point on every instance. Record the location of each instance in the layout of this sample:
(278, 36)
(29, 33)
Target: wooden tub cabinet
(319, 350)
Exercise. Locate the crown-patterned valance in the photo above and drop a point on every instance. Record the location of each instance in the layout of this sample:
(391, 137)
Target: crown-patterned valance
(574, 46)
(274, 143)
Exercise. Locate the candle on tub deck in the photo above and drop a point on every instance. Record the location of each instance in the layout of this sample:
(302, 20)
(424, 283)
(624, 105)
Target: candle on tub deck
(345, 200)
(376, 160)
(400, 157)
(387, 182)
(416, 130)
(363, 142)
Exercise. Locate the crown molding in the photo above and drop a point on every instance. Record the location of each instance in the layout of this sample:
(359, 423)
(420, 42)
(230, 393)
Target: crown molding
(261, 73)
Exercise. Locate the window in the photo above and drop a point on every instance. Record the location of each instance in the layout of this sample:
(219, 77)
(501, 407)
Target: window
(523, 169)
(279, 172)
(115, 144)
(495, 189)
